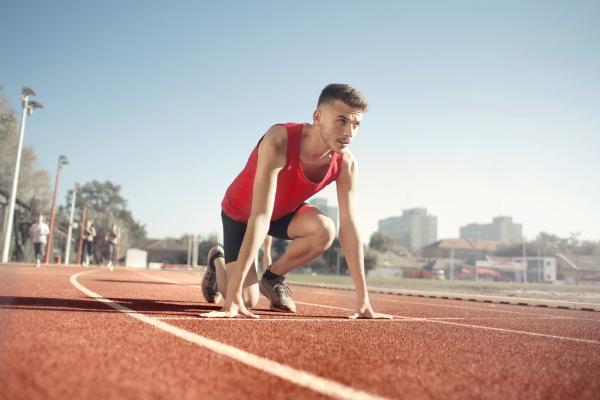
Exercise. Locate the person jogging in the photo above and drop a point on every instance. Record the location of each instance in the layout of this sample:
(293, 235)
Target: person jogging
(39, 230)
(290, 164)
(113, 239)
(88, 242)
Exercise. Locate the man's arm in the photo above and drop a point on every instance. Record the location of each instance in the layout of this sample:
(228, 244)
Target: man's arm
(350, 236)
(272, 154)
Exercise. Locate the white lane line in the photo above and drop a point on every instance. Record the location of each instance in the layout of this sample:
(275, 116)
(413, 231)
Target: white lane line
(443, 305)
(470, 326)
(160, 279)
(315, 383)
(169, 281)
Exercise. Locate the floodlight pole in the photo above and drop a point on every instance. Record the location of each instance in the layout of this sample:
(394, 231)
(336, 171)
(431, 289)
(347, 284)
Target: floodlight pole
(61, 160)
(27, 107)
(70, 227)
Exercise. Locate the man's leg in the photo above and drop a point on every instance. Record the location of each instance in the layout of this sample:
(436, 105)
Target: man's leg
(38, 252)
(312, 232)
(218, 275)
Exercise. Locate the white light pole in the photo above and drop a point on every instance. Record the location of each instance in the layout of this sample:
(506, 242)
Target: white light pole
(28, 107)
(71, 226)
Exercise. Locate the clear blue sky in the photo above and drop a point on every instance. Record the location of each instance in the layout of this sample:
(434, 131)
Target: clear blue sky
(477, 108)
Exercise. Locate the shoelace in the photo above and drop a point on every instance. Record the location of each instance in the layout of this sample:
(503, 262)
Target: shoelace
(285, 290)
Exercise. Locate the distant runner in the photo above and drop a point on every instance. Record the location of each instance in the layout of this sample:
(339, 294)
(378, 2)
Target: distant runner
(290, 164)
(39, 230)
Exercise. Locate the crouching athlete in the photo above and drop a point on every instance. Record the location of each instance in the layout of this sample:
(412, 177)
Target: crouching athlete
(290, 164)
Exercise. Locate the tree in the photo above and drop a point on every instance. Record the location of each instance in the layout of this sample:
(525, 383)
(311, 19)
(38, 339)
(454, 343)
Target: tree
(105, 206)
(381, 241)
(548, 245)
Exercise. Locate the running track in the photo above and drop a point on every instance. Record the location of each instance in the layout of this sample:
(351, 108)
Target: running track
(87, 333)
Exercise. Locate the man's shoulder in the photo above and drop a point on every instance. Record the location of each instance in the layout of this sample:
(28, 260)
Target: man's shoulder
(349, 161)
(276, 138)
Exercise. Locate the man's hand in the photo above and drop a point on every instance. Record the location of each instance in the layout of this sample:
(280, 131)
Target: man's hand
(231, 309)
(365, 311)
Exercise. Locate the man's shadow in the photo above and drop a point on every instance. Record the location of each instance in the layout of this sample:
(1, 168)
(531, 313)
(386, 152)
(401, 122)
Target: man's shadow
(92, 305)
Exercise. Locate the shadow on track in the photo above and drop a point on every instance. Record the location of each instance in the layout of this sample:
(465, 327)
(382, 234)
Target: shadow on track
(92, 305)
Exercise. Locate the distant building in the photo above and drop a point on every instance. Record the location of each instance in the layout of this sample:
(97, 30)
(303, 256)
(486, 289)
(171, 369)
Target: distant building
(331, 212)
(501, 228)
(413, 230)
(463, 248)
(166, 251)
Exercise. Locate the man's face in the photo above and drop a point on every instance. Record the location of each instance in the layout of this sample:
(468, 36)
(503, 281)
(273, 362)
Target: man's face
(339, 124)
(40, 219)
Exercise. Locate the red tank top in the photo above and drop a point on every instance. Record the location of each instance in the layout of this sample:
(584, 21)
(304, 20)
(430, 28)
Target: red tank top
(293, 188)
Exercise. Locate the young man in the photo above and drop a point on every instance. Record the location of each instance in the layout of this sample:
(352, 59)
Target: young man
(39, 230)
(290, 164)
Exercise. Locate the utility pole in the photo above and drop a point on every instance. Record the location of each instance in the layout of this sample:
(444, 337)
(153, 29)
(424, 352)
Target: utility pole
(524, 263)
(81, 236)
(195, 252)
(539, 266)
(574, 236)
(70, 227)
(338, 250)
(61, 161)
(451, 274)
(189, 250)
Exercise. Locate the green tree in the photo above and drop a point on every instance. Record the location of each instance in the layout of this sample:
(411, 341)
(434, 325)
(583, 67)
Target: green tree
(105, 206)
(381, 241)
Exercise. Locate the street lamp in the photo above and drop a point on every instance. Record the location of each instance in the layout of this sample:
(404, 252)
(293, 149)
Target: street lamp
(28, 107)
(62, 160)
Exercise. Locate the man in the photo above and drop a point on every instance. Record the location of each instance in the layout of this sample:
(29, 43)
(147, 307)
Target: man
(39, 230)
(290, 164)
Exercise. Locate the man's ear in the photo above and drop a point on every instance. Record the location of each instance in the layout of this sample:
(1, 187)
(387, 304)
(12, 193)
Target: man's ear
(318, 117)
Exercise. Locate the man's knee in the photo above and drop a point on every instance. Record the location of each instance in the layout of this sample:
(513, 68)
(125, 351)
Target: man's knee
(325, 232)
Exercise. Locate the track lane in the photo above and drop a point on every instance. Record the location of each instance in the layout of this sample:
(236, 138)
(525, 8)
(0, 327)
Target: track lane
(404, 358)
(420, 331)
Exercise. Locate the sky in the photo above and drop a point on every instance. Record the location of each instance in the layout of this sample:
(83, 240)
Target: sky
(477, 109)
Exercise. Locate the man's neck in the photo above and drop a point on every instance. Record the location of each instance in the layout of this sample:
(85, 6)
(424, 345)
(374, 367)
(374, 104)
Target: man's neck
(312, 146)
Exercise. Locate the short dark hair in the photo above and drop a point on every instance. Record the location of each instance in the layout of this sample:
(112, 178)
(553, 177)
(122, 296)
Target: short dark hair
(346, 93)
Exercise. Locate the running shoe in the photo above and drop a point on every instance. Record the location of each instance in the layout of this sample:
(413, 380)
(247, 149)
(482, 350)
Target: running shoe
(276, 291)
(210, 289)
(38, 263)
(110, 266)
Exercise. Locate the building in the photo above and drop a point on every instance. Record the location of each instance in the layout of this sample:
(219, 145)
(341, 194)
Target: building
(166, 251)
(331, 212)
(462, 248)
(501, 228)
(413, 230)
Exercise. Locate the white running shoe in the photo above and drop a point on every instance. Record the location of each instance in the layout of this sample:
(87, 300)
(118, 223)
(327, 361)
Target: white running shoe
(110, 266)
(38, 263)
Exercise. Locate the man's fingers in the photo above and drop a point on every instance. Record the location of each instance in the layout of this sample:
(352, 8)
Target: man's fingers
(249, 314)
(217, 314)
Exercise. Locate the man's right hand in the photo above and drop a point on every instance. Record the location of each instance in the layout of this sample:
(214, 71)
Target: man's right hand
(231, 309)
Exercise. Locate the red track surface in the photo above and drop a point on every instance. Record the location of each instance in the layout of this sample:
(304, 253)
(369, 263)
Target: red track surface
(56, 342)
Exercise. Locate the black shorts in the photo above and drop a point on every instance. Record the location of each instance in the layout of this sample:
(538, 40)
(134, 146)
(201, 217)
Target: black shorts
(234, 231)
